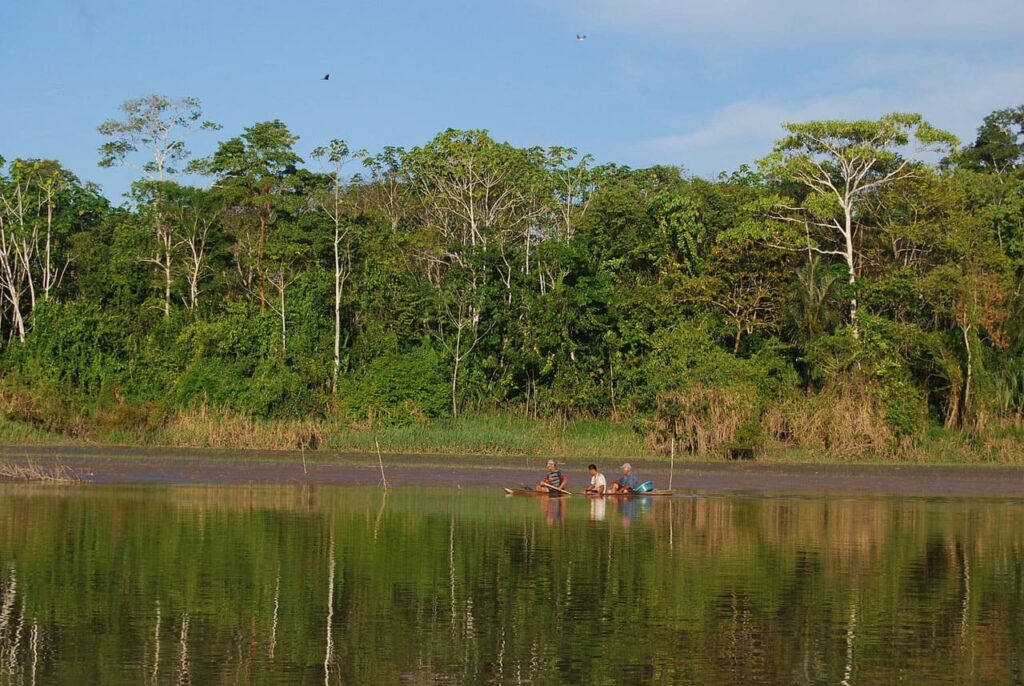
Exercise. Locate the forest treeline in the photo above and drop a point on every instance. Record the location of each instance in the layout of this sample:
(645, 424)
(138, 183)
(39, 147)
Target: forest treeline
(855, 290)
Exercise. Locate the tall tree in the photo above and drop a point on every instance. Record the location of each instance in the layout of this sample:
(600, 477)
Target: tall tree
(337, 154)
(192, 215)
(834, 166)
(999, 146)
(479, 198)
(151, 138)
(34, 196)
(256, 172)
(157, 127)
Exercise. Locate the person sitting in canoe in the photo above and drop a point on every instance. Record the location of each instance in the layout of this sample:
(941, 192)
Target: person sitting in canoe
(598, 484)
(627, 483)
(555, 479)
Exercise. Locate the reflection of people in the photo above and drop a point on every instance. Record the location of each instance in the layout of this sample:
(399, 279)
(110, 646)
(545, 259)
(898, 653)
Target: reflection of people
(627, 509)
(597, 509)
(554, 477)
(598, 484)
(555, 509)
(627, 483)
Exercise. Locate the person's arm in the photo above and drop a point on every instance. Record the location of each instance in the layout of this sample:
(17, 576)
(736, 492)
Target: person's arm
(601, 487)
(564, 482)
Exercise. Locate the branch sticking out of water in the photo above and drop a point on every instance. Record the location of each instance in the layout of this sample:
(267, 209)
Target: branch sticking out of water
(31, 471)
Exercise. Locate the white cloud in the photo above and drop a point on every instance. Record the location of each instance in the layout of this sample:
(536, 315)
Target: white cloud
(734, 23)
(951, 93)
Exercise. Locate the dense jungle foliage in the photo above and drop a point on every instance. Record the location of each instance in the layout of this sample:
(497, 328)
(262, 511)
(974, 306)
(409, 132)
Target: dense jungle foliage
(854, 290)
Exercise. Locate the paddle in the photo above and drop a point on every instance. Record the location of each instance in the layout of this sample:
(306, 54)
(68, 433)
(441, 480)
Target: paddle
(556, 488)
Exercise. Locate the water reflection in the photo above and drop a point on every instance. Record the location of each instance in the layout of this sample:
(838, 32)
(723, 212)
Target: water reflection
(332, 585)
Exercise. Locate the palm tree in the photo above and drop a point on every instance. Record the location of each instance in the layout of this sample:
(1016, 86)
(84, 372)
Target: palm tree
(812, 305)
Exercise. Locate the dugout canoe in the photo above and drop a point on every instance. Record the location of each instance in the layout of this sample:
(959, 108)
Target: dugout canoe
(654, 492)
(529, 492)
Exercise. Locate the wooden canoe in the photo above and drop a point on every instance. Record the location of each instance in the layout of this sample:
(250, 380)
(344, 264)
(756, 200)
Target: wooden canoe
(656, 491)
(533, 493)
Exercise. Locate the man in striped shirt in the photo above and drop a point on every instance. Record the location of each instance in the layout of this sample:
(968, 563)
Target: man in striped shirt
(554, 478)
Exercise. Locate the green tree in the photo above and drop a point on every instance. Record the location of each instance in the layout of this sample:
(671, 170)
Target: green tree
(152, 139)
(333, 203)
(835, 166)
(999, 146)
(257, 174)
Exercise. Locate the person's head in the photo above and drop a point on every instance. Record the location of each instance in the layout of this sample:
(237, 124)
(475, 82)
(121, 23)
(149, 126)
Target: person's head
(551, 465)
(626, 468)
(592, 469)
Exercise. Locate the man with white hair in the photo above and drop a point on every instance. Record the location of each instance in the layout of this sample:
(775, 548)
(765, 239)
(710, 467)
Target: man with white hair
(627, 483)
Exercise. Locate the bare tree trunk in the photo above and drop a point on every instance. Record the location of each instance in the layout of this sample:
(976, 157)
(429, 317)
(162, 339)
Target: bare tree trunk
(341, 272)
(259, 263)
(337, 318)
(165, 245)
(851, 265)
(47, 273)
(455, 368)
(284, 328)
(965, 406)
(167, 286)
(11, 282)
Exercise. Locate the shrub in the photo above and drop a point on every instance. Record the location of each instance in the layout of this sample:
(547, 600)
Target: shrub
(397, 387)
(711, 401)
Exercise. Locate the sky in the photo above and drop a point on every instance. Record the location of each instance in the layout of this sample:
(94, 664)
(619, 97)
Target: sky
(703, 84)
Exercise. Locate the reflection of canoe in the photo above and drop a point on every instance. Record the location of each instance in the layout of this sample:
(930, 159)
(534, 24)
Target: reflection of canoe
(531, 492)
(656, 491)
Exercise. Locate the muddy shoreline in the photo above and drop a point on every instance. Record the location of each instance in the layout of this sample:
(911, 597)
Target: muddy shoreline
(128, 465)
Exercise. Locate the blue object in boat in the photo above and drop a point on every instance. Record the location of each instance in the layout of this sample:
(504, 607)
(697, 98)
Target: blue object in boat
(644, 487)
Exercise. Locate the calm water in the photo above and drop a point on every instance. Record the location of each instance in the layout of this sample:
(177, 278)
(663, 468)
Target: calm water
(216, 585)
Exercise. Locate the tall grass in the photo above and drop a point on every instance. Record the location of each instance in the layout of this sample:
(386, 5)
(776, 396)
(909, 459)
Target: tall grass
(842, 424)
(20, 433)
(496, 435)
(206, 429)
(504, 435)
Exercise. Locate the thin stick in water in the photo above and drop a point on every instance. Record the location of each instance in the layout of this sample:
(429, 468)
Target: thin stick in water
(672, 463)
(380, 461)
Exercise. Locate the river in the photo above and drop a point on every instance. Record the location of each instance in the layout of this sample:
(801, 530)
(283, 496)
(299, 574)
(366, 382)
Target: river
(321, 584)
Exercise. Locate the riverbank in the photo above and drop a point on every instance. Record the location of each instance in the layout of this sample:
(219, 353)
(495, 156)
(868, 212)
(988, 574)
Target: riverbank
(489, 436)
(113, 465)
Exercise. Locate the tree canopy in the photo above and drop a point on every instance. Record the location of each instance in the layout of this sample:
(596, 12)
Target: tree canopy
(864, 271)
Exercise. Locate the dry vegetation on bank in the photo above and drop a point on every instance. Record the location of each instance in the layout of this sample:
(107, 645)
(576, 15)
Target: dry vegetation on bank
(30, 471)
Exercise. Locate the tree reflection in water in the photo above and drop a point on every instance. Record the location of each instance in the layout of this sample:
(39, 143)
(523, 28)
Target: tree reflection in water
(274, 585)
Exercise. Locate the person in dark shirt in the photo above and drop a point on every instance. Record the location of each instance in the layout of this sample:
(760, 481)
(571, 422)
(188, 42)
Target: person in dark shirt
(554, 477)
(627, 483)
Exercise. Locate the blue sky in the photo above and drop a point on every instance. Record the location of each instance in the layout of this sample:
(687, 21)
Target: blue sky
(698, 83)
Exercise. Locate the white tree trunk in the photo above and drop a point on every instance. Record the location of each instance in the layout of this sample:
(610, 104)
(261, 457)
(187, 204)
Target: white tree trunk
(851, 264)
(965, 406)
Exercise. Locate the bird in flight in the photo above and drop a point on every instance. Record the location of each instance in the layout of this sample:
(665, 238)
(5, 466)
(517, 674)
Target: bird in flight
(327, 77)
(581, 36)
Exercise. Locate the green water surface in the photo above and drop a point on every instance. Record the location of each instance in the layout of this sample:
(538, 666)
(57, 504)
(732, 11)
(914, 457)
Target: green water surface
(334, 585)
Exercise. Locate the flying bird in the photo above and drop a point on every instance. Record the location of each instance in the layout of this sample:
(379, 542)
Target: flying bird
(581, 36)
(327, 77)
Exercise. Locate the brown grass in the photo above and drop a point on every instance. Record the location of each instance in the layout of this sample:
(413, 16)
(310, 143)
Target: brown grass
(847, 421)
(706, 421)
(32, 471)
(204, 429)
